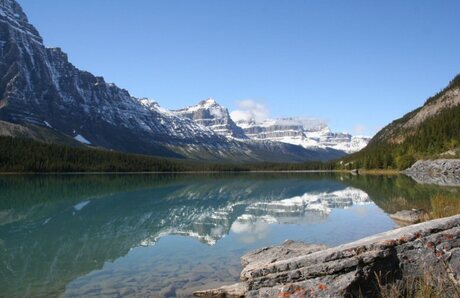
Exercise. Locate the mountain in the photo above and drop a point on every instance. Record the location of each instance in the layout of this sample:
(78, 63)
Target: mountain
(426, 132)
(309, 134)
(209, 113)
(40, 90)
(306, 133)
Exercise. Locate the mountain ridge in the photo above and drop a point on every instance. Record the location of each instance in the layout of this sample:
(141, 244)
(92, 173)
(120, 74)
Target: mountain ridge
(42, 88)
(303, 132)
(307, 133)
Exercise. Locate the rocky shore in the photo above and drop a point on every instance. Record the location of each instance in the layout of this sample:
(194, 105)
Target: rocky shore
(444, 172)
(359, 268)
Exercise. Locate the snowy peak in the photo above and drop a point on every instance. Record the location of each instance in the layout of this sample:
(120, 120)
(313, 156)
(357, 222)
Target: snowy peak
(209, 103)
(210, 114)
(153, 105)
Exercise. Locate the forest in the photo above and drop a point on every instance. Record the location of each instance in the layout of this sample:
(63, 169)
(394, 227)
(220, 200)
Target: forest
(20, 155)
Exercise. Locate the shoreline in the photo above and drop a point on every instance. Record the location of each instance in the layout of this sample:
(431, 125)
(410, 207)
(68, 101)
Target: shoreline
(361, 172)
(366, 267)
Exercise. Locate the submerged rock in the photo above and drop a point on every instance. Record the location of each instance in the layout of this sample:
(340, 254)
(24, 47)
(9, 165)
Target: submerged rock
(354, 269)
(233, 291)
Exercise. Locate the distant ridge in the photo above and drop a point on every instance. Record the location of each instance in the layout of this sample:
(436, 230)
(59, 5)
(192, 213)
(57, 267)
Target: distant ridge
(307, 133)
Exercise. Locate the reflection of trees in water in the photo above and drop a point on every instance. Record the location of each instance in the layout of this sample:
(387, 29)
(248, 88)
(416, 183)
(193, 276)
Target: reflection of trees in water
(399, 192)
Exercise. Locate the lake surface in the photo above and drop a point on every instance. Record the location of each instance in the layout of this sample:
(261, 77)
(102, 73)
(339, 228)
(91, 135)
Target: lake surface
(168, 235)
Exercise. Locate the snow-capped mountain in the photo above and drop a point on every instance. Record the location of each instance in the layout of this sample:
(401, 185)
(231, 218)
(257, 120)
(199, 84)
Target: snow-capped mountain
(304, 132)
(307, 133)
(209, 113)
(41, 90)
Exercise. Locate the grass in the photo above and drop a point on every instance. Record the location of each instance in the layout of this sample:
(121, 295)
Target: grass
(421, 287)
(443, 206)
(428, 285)
(379, 172)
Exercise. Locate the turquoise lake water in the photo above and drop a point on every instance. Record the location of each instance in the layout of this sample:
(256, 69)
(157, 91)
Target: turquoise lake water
(168, 235)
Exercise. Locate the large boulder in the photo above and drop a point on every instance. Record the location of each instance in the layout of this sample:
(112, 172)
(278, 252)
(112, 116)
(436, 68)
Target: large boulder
(445, 172)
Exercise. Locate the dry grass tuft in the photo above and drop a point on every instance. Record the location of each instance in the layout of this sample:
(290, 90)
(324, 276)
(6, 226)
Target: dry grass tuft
(411, 288)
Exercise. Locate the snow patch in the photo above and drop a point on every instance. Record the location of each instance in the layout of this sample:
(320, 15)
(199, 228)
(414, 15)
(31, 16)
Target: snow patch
(82, 139)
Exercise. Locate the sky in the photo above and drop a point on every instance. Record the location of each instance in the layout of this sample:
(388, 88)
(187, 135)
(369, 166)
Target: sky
(357, 64)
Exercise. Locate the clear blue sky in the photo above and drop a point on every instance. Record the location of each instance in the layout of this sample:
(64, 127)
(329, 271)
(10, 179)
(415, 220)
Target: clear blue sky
(354, 63)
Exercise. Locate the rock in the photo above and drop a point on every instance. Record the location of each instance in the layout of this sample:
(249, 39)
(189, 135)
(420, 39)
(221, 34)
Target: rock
(353, 269)
(409, 216)
(269, 255)
(445, 172)
(233, 291)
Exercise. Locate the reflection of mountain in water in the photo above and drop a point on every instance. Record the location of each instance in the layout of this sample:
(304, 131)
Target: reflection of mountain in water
(47, 243)
(297, 207)
(212, 225)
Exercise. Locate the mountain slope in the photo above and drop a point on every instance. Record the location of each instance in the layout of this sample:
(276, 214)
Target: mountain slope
(40, 87)
(37, 133)
(425, 132)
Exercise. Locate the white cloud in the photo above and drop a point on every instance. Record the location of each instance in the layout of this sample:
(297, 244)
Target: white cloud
(251, 232)
(250, 110)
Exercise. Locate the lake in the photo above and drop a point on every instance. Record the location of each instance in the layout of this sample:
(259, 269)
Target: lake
(169, 235)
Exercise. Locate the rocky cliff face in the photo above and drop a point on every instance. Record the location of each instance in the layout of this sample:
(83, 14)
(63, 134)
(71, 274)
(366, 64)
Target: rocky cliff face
(41, 88)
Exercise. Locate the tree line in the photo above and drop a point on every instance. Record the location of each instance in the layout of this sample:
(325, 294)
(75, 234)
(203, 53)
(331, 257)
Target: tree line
(28, 156)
